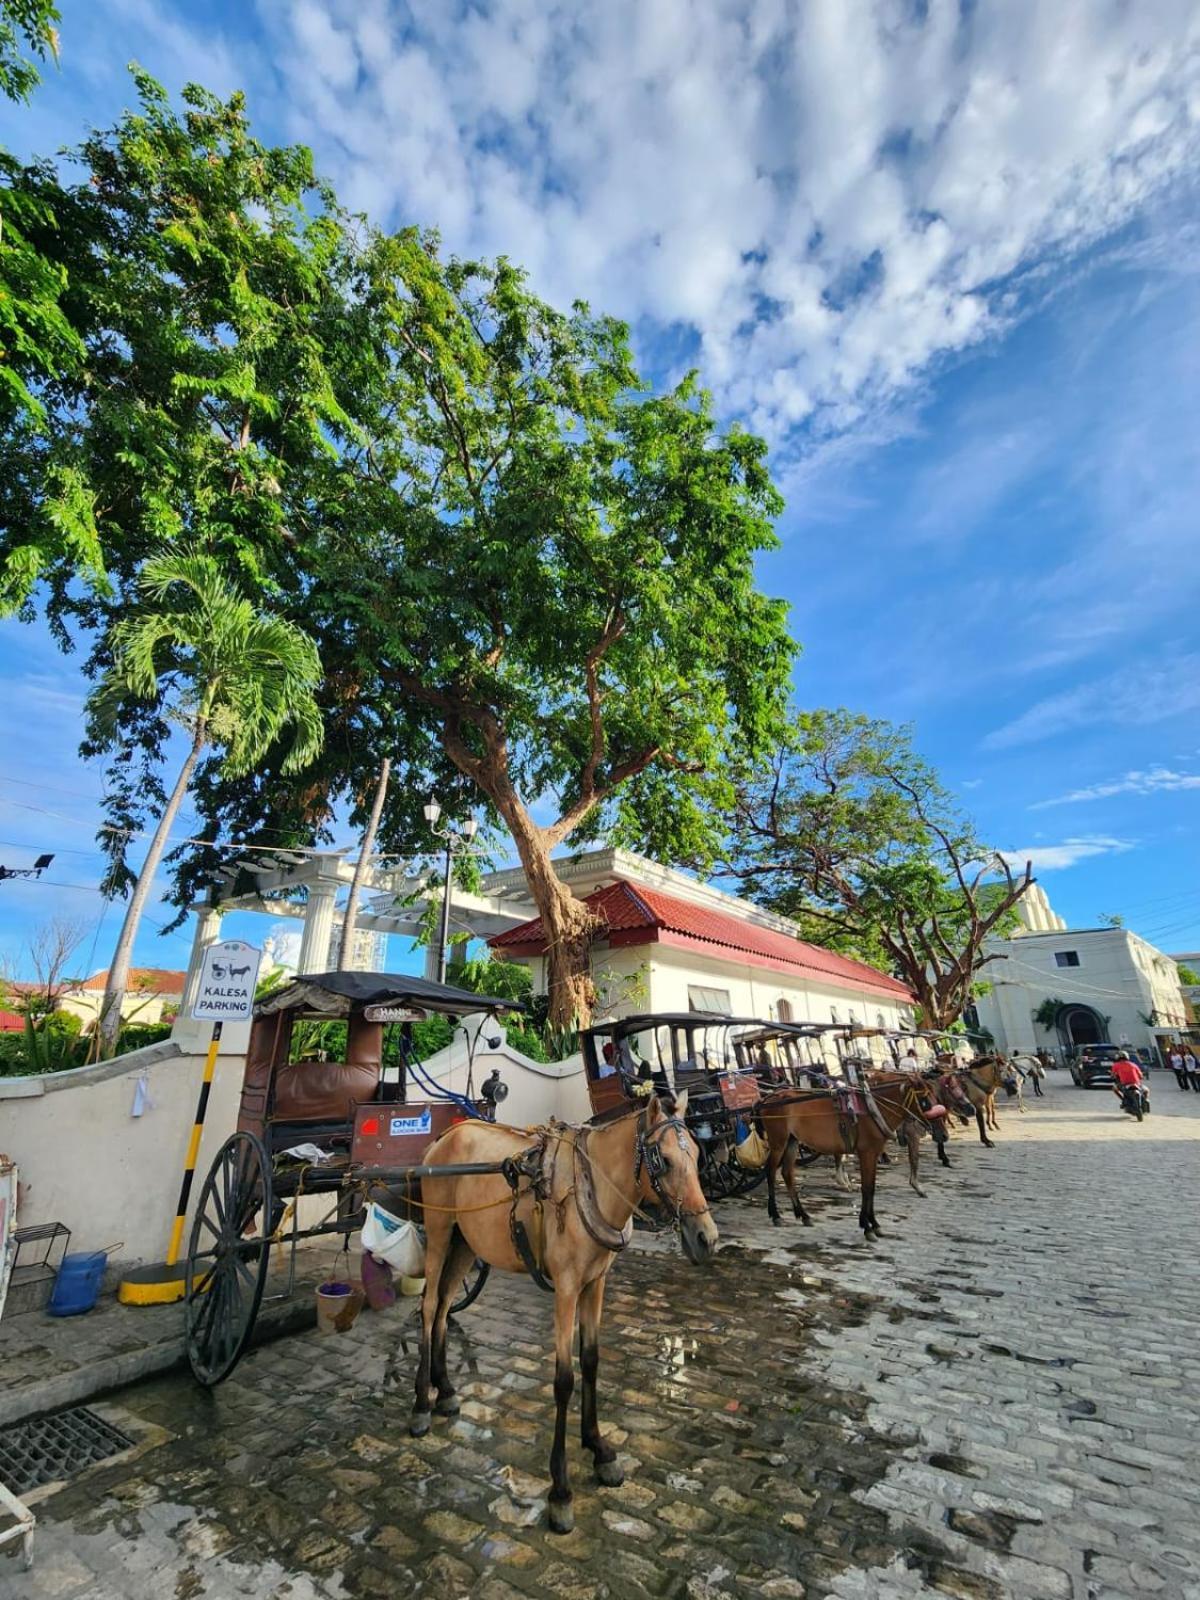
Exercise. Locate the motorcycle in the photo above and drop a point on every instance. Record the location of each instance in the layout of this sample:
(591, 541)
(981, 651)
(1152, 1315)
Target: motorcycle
(1135, 1100)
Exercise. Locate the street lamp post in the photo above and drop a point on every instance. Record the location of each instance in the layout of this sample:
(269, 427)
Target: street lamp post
(455, 839)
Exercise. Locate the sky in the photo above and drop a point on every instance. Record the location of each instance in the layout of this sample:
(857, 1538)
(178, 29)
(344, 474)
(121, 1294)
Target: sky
(943, 253)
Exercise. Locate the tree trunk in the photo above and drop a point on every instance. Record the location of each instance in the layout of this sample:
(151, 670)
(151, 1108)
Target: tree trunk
(569, 926)
(360, 866)
(118, 972)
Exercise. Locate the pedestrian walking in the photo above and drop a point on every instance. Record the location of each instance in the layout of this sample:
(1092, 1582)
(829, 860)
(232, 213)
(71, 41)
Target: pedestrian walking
(1192, 1067)
(1177, 1067)
(1036, 1073)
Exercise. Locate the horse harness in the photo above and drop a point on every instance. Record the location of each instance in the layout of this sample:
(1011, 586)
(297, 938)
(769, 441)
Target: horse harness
(537, 1167)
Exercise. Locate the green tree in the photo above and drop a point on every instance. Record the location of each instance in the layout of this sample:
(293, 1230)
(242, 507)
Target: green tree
(25, 25)
(206, 275)
(851, 832)
(232, 676)
(37, 340)
(1188, 976)
(541, 577)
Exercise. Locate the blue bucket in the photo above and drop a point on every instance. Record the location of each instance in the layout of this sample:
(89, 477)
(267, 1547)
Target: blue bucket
(77, 1284)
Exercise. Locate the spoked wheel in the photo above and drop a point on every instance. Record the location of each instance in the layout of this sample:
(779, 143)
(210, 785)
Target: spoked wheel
(471, 1287)
(721, 1178)
(227, 1258)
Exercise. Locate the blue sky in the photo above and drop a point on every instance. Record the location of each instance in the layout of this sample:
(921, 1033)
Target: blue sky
(943, 254)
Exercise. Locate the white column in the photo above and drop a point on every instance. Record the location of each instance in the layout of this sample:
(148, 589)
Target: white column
(318, 927)
(208, 931)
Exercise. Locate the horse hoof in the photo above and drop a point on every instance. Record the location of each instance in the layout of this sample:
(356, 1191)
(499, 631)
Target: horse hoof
(420, 1423)
(610, 1474)
(807, 1221)
(560, 1515)
(778, 1221)
(448, 1405)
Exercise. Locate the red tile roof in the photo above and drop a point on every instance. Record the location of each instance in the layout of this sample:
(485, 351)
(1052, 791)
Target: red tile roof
(637, 915)
(146, 980)
(10, 1022)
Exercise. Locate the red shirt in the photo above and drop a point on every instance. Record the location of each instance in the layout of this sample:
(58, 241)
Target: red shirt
(1126, 1072)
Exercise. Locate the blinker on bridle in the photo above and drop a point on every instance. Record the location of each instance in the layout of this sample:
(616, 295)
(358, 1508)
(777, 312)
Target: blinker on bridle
(650, 1155)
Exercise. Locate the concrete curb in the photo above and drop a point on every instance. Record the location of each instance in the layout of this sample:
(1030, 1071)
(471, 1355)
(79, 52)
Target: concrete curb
(116, 1370)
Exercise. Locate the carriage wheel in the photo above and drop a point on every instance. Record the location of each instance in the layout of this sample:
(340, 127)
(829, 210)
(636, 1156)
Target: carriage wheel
(471, 1287)
(228, 1258)
(720, 1177)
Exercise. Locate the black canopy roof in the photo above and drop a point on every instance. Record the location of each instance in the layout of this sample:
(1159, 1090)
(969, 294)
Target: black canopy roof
(648, 1021)
(336, 994)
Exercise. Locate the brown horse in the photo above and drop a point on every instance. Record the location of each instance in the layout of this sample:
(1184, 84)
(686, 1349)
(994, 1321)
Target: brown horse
(815, 1119)
(563, 1209)
(979, 1082)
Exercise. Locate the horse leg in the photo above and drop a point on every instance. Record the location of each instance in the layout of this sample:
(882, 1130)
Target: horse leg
(912, 1139)
(868, 1163)
(458, 1258)
(789, 1177)
(562, 1518)
(940, 1139)
(841, 1176)
(983, 1138)
(772, 1203)
(437, 1238)
(604, 1457)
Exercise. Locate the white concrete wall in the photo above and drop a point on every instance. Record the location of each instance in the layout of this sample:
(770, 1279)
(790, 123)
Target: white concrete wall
(86, 1161)
(536, 1090)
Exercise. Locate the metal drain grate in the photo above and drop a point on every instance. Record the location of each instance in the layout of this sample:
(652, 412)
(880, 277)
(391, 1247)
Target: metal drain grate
(46, 1449)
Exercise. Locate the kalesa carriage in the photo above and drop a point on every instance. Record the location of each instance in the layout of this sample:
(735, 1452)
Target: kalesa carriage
(688, 1109)
(369, 1117)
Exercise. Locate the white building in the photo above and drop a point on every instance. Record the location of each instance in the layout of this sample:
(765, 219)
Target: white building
(1085, 985)
(673, 944)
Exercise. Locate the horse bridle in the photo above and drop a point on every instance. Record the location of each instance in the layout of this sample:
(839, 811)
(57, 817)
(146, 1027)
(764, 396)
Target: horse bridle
(649, 1154)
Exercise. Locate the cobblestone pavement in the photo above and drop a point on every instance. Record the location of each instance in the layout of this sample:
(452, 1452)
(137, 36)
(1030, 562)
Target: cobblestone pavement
(1001, 1398)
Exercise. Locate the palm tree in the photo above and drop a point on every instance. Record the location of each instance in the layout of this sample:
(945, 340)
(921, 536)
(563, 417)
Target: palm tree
(240, 678)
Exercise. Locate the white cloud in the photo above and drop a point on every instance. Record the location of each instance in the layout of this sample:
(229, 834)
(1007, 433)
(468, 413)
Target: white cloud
(1151, 782)
(830, 197)
(1053, 857)
(1132, 697)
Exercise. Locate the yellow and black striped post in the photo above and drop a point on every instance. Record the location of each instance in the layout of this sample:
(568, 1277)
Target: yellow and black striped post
(160, 1284)
(189, 1166)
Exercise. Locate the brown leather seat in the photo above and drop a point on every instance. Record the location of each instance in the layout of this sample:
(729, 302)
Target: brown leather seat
(323, 1091)
(308, 1091)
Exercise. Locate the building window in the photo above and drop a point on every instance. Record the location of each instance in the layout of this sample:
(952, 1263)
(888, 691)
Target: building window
(833, 1016)
(702, 999)
(1066, 958)
(879, 1022)
(784, 1009)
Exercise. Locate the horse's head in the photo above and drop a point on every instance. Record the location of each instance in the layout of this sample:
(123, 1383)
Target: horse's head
(668, 1163)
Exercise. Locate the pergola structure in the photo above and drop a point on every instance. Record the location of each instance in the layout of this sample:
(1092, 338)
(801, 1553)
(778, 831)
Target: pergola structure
(313, 886)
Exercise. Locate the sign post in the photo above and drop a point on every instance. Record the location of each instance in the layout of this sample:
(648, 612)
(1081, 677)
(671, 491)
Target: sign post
(224, 994)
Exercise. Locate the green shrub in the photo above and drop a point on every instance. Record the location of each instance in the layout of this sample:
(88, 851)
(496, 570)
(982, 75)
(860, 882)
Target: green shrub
(136, 1034)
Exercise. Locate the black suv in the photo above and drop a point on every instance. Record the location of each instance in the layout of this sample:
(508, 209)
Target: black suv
(1092, 1069)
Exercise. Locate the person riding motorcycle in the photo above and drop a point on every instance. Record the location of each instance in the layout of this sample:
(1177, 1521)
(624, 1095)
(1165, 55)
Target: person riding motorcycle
(1129, 1086)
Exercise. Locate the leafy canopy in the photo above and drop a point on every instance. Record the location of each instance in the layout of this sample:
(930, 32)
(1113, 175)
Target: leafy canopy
(204, 286)
(554, 565)
(852, 833)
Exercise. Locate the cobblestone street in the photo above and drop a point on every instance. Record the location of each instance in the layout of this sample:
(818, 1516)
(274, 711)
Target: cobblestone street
(1000, 1398)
